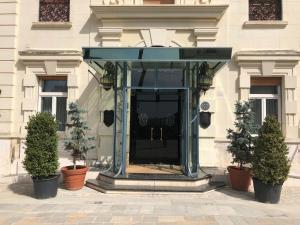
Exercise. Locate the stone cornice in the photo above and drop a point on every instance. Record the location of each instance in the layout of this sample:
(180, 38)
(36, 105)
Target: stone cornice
(185, 12)
(288, 57)
(34, 56)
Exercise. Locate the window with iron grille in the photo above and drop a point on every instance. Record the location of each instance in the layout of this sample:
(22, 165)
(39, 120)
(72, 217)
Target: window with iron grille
(54, 11)
(265, 10)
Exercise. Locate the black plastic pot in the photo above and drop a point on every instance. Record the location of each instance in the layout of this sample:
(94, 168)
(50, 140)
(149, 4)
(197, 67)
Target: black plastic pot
(45, 188)
(266, 193)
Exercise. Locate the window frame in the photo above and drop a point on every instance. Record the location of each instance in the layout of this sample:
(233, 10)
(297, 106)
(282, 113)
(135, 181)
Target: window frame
(53, 95)
(264, 98)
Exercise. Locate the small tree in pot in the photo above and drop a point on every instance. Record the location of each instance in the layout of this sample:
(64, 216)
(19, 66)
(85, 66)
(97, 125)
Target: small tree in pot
(41, 155)
(270, 162)
(241, 146)
(78, 145)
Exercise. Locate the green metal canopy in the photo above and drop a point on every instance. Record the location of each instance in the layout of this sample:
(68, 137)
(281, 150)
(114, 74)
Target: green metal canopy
(158, 69)
(157, 54)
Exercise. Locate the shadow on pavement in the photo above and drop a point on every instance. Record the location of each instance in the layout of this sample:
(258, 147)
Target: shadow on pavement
(249, 196)
(22, 189)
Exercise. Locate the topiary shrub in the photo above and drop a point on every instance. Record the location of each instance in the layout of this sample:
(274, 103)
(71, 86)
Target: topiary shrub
(41, 155)
(78, 143)
(270, 158)
(241, 140)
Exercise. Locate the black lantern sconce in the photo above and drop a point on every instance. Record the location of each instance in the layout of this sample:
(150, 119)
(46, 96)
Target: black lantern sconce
(107, 80)
(204, 77)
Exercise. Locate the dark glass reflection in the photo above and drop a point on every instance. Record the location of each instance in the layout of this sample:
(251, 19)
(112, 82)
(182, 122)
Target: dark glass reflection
(47, 104)
(143, 78)
(256, 108)
(272, 107)
(61, 112)
(264, 90)
(155, 127)
(55, 86)
(170, 78)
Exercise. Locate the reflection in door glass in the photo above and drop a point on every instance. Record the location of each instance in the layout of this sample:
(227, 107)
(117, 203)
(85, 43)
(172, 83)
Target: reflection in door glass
(143, 78)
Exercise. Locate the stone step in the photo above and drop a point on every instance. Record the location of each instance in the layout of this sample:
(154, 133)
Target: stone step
(108, 188)
(162, 180)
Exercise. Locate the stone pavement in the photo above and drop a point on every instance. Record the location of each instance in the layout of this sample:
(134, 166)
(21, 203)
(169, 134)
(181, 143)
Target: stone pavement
(221, 207)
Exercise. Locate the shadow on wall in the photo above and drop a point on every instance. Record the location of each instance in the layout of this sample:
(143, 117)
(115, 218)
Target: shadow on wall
(91, 26)
(94, 100)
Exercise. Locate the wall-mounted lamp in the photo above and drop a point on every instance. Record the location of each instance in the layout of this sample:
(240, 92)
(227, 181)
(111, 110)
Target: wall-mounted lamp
(107, 80)
(204, 77)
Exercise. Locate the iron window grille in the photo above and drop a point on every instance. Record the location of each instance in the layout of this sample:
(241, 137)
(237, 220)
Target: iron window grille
(54, 11)
(265, 10)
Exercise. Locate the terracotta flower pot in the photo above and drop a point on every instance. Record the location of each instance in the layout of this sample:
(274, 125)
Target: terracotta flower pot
(74, 179)
(240, 179)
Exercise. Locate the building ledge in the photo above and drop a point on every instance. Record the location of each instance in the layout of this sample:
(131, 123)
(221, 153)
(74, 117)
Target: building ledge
(212, 11)
(291, 57)
(263, 24)
(38, 55)
(51, 25)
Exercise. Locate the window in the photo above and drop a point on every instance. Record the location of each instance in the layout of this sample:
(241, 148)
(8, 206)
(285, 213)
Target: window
(265, 97)
(54, 11)
(265, 10)
(53, 98)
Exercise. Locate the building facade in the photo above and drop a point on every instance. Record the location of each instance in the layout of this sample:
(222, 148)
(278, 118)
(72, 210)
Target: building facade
(43, 68)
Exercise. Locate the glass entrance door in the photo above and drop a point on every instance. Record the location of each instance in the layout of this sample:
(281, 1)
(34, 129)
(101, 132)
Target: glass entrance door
(155, 136)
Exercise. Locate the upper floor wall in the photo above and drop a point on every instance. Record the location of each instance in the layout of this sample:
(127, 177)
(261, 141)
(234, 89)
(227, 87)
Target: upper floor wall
(195, 22)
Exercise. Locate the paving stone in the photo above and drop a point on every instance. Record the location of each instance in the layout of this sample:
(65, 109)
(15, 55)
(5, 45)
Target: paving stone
(224, 207)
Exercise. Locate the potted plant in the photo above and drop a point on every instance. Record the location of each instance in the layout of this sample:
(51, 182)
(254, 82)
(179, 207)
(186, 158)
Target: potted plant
(41, 155)
(78, 145)
(241, 146)
(270, 162)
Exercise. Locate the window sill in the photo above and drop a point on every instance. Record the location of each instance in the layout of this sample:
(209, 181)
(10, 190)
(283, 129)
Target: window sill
(51, 25)
(265, 24)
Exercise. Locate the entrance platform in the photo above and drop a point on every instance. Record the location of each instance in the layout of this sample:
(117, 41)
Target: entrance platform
(208, 179)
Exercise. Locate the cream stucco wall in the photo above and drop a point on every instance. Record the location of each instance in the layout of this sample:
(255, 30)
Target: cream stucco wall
(28, 49)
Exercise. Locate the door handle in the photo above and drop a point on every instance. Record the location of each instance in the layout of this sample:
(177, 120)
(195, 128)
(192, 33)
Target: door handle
(151, 134)
(161, 134)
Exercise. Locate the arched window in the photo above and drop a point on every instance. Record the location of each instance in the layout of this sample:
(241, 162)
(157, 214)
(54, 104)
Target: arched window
(54, 11)
(265, 10)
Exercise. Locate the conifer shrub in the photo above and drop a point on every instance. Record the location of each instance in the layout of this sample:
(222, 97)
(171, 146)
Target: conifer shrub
(241, 139)
(78, 143)
(270, 157)
(41, 155)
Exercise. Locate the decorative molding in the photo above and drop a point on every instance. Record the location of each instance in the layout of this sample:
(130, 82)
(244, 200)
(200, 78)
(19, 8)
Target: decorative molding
(253, 58)
(35, 56)
(110, 36)
(51, 25)
(264, 24)
(141, 2)
(272, 63)
(158, 37)
(205, 34)
(117, 12)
